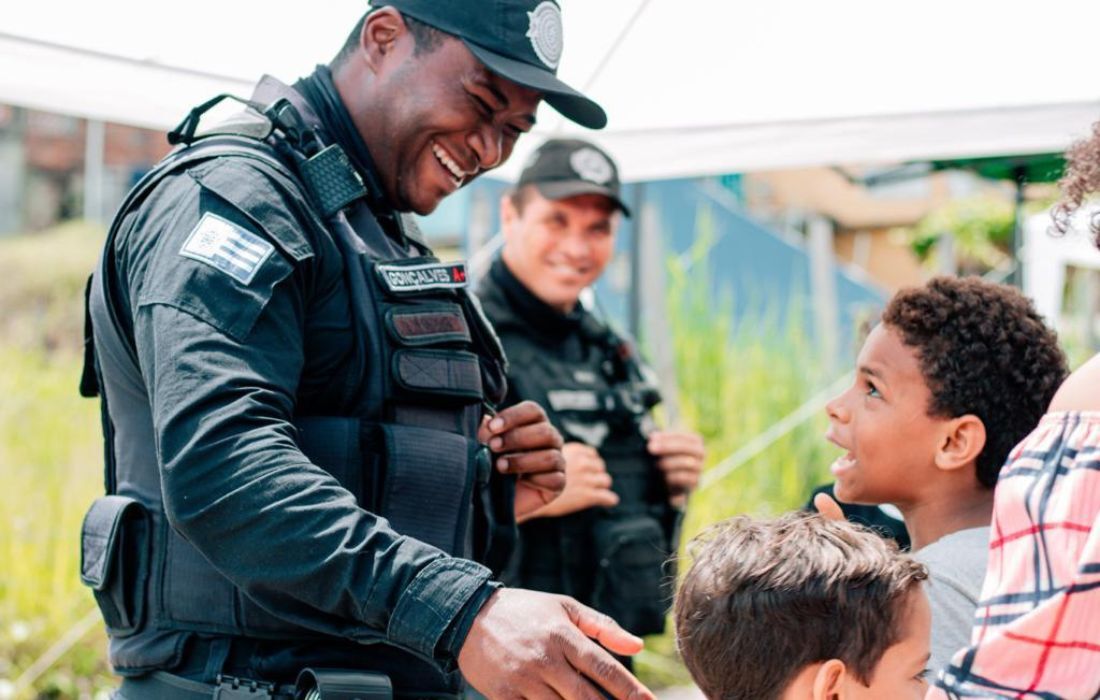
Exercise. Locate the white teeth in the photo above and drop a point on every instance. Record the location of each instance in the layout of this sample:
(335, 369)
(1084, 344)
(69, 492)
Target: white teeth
(452, 166)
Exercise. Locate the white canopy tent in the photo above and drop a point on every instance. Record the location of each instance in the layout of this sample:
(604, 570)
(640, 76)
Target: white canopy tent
(691, 86)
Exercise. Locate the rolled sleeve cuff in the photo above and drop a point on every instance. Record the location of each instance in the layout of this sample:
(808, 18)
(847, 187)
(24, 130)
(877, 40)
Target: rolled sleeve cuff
(431, 604)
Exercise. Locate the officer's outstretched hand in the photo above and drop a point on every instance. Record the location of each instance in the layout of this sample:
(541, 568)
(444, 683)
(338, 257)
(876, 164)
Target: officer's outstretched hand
(527, 445)
(526, 644)
(680, 456)
(587, 483)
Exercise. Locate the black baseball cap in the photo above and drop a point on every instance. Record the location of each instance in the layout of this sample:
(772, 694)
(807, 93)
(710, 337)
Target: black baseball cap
(563, 168)
(520, 40)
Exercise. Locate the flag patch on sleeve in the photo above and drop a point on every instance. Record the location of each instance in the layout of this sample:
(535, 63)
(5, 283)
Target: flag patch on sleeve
(227, 247)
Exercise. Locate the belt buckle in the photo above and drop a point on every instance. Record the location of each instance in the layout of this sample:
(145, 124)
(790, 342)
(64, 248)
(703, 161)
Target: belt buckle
(233, 688)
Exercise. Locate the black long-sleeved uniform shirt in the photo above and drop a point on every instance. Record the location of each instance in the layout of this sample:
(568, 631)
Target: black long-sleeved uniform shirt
(226, 362)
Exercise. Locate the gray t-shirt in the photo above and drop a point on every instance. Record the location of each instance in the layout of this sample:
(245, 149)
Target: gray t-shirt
(956, 569)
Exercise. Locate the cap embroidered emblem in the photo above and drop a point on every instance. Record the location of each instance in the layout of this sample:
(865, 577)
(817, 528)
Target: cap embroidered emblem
(591, 165)
(545, 33)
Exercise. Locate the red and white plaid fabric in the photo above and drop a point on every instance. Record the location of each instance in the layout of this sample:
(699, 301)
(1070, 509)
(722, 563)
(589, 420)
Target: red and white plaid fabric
(1037, 628)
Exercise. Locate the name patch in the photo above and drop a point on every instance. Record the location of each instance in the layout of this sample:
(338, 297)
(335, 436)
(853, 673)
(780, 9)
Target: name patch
(226, 247)
(573, 400)
(418, 278)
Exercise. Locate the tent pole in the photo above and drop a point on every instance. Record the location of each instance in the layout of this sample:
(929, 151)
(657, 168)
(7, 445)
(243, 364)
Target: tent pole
(823, 288)
(1017, 277)
(654, 296)
(634, 308)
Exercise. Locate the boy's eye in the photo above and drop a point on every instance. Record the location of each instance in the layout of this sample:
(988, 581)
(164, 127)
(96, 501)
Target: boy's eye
(872, 391)
(922, 676)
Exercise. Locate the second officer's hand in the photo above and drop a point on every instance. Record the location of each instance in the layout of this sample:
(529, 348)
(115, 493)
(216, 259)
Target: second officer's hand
(587, 483)
(525, 444)
(526, 644)
(680, 456)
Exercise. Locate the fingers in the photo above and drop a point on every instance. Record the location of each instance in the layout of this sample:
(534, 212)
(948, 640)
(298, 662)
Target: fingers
(828, 507)
(534, 436)
(602, 628)
(680, 462)
(597, 479)
(532, 462)
(664, 442)
(681, 480)
(681, 471)
(523, 413)
(603, 670)
(604, 498)
(572, 684)
(551, 482)
(579, 450)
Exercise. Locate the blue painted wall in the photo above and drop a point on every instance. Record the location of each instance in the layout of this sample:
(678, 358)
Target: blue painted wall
(760, 271)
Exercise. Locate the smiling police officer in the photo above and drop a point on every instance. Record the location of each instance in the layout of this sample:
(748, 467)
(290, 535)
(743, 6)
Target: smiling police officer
(303, 467)
(606, 539)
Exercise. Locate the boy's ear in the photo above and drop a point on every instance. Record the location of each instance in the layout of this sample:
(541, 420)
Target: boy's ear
(829, 681)
(963, 440)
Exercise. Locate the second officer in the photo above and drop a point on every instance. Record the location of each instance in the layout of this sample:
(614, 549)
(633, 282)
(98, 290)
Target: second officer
(606, 538)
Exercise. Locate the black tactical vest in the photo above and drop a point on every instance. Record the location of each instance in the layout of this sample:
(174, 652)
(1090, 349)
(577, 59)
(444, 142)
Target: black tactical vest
(408, 451)
(594, 392)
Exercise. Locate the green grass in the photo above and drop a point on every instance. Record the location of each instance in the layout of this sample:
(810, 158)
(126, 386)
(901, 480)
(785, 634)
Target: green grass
(50, 461)
(735, 381)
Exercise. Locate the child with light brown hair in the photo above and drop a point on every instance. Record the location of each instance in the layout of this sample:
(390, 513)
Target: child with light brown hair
(802, 607)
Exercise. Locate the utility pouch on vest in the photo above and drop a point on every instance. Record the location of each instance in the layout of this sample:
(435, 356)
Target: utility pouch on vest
(631, 585)
(114, 560)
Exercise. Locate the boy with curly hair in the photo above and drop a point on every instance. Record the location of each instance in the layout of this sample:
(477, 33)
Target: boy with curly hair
(1037, 629)
(802, 607)
(957, 373)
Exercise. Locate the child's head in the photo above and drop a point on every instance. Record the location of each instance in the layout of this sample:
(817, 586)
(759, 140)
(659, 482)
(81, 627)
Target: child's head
(957, 373)
(802, 607)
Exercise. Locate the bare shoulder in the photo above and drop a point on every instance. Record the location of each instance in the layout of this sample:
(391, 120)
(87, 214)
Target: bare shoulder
(1081, 392)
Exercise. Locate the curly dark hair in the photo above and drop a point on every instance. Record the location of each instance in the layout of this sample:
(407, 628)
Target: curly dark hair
(1082, 178)
(983, 351)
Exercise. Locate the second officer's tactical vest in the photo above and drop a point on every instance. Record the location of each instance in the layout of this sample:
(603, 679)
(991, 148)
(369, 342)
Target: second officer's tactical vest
(408, 452)
(614, 559)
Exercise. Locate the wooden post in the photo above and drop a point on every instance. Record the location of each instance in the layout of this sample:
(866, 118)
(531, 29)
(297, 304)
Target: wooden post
(95, 136)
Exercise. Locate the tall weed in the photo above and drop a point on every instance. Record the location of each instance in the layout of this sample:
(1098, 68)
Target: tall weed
(736, 378)
(50, 461)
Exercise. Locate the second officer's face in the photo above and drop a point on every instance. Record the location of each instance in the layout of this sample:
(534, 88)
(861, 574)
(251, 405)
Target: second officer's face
(451, 119)
(556, 248)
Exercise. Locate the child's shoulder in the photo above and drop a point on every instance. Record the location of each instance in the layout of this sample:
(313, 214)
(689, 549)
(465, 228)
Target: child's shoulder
(1080, 391)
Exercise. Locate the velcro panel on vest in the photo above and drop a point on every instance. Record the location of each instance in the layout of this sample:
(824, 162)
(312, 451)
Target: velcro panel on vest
(427, 325)
(428, 484)
(439, 373)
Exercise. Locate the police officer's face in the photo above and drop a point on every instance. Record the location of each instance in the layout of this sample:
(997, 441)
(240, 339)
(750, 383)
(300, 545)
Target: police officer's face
(556, 248)
(439, 118)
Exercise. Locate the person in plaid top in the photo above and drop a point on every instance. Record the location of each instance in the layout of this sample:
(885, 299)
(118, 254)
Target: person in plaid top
(1037, 628)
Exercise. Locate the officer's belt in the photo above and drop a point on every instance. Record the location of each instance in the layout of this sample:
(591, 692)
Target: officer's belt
(165, 686)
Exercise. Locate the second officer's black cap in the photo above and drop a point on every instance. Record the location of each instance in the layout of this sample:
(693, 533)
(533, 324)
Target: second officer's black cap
(563, 168)
(520, 40)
